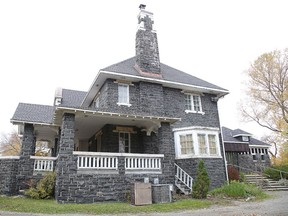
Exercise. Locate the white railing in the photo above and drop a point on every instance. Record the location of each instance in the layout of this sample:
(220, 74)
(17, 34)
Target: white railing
(109, 161)
(184, 177)
(43, 164)
(95, 160)
(143, 162)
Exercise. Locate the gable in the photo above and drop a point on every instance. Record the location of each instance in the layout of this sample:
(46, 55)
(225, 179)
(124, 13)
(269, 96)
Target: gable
(171, 77)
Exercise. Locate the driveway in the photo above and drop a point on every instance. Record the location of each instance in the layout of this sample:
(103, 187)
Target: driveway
(276, 206)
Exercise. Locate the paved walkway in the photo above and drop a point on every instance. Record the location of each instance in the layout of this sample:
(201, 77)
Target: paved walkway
(276, 206)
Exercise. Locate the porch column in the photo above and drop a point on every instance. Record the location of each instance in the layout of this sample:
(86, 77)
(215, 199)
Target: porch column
(25, 167)
(66, 164)
(166, 147)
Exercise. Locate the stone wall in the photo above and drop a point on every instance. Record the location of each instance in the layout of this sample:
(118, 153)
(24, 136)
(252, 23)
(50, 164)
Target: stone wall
(214, 166)
(8, 173)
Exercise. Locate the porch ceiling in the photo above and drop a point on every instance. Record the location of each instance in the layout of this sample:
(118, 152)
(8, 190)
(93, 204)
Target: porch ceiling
(87, 125)
(88, 122)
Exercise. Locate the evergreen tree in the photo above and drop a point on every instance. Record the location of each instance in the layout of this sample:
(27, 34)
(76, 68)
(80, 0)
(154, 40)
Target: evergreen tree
(202, 182)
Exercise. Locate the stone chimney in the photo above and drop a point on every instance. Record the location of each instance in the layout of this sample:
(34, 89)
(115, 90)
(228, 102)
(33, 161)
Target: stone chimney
(147, 53)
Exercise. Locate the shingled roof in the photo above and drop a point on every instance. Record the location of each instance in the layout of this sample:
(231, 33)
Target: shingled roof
(229, 137)
(33, 113)
(168, 73)
(72, 98)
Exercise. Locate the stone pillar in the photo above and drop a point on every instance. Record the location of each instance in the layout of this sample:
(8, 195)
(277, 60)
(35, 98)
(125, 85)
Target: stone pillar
(166, 147)
(26, 165)
(66, 164)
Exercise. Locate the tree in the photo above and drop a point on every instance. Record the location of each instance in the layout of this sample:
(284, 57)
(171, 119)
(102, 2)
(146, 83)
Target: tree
(267, 91)
(202, 182)
(10, 144)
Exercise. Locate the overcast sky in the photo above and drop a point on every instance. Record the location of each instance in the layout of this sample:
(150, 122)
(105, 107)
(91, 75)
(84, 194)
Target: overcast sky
(50, 44)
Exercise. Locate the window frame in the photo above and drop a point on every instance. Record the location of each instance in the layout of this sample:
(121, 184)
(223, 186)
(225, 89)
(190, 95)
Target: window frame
(196, 146)
(191, 107)
(127, 95)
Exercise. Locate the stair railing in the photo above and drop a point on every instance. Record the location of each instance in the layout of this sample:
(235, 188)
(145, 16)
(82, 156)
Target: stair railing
(260, 172)
(184, 177)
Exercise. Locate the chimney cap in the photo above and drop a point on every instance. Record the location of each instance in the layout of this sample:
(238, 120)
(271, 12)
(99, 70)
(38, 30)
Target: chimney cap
(142, 6)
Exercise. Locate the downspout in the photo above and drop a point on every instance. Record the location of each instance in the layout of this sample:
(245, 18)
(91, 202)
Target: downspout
(224, 156)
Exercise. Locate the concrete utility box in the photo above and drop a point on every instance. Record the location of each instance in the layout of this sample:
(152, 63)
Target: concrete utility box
(141, 194)
(161, 193)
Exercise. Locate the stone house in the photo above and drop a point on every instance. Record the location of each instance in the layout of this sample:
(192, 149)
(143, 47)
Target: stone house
(140, 120)
(244, 151)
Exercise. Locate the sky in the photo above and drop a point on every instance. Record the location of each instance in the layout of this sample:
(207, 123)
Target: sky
(50, 44)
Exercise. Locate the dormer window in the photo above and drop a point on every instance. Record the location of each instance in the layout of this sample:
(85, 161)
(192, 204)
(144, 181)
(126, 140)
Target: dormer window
(193, 103)
(123, 94)
(245, 138)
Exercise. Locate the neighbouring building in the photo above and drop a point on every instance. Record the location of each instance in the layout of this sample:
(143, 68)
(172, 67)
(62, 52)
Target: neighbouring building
(244, 151)
(140, 120)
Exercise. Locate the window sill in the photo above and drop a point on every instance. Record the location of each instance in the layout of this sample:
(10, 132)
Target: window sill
(124, 104)
(192, 111)
(197, 156)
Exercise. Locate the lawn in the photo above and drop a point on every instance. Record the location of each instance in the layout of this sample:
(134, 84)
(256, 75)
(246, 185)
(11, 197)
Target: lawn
(18, 204)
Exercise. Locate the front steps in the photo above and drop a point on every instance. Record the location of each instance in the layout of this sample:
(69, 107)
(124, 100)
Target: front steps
(265, 183)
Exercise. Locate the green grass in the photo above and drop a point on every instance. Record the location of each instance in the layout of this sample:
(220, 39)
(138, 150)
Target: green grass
(239, 190)
(51, 207)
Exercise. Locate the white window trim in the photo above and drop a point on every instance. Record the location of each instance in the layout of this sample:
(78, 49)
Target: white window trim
(128, 95)
(97, 101)
(195, 132)
(192, 104)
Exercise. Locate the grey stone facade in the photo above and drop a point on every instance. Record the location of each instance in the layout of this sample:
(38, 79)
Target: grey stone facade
(8, 173)
(25, 170)
(66, 163)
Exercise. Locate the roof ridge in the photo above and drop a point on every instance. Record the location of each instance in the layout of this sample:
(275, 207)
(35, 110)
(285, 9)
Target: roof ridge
(35, 104)
(118, 63)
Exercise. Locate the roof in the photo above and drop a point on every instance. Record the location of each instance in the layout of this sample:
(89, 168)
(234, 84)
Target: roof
(72, 98)
(168, 74)
(33, 113)
(230, 136)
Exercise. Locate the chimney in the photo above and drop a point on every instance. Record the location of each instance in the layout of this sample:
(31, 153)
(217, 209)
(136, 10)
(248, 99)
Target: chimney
(147, 53)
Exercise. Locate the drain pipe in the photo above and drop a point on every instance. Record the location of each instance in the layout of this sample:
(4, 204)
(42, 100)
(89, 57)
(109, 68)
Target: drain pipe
(224, 156)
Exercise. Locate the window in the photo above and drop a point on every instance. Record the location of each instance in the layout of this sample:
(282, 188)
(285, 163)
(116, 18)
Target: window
(196, 142)
(124, 141)
(212, 144)
(193, 103)
(123, 94)
(186, 142)
(245, 138)
(202, 144)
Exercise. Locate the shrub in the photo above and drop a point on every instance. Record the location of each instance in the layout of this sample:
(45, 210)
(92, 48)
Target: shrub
(44, 189)
(242, 177)
(233, 173)
(238, 190)
(201, 183)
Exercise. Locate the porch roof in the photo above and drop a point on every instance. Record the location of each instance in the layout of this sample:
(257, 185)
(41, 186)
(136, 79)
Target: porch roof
(88, 122)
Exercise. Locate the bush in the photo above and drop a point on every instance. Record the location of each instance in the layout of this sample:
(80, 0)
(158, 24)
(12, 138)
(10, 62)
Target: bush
(238, 190)
(233, 173)
(242, 177)
(202, 182)
(45, 188)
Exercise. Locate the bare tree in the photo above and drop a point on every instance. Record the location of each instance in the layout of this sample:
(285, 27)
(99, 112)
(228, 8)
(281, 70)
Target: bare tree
(267, 92)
